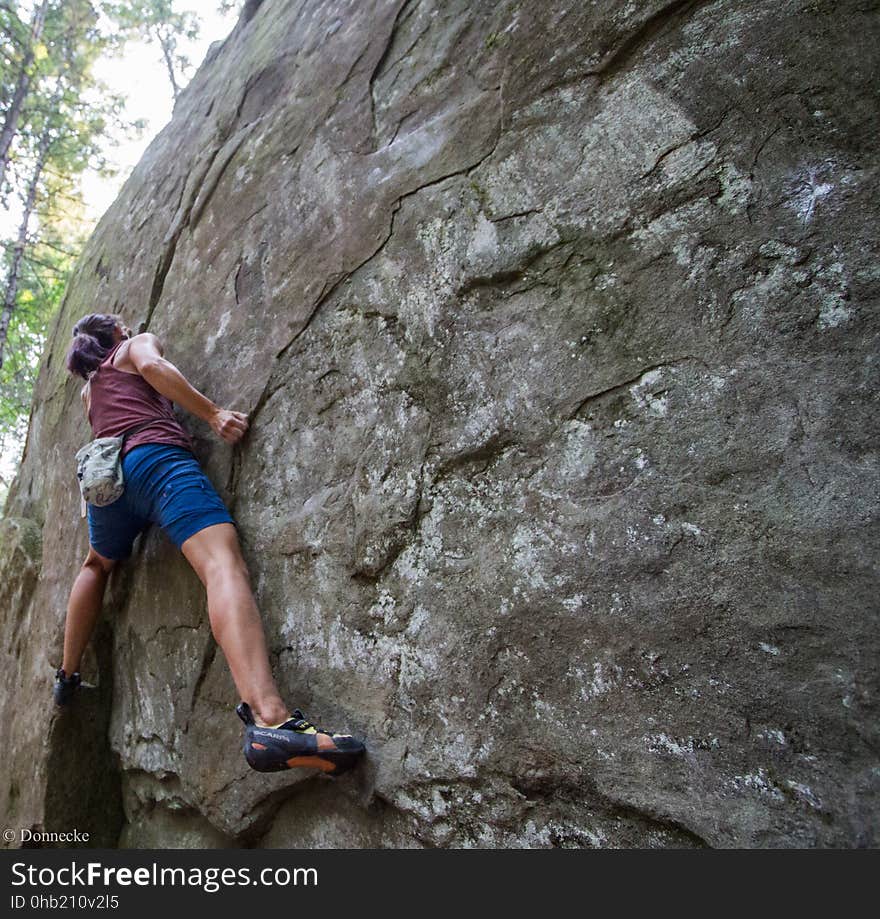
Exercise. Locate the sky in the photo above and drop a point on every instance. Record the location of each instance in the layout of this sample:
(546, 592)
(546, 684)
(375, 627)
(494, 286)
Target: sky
(140, 75)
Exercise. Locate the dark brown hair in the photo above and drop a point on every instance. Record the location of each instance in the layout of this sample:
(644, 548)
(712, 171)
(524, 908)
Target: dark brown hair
(92, 342)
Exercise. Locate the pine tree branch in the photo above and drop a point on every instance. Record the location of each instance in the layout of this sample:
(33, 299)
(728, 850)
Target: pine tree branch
(44, 242)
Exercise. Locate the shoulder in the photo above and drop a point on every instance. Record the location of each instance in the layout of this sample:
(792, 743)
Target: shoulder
(145, 336)
(143, 340)
(137, 351)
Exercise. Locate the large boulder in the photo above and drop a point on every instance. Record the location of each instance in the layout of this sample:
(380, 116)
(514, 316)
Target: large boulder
(556, 325)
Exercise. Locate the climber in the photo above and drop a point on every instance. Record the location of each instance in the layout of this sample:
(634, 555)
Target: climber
(129, 383)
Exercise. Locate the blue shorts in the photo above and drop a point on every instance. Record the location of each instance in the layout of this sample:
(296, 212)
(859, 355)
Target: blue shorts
(164, 484)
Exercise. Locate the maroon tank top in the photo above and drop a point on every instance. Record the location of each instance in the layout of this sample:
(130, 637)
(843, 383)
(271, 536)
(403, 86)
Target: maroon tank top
(120, 400)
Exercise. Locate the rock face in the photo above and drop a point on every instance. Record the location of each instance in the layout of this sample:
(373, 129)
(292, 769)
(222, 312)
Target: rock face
(557, 327)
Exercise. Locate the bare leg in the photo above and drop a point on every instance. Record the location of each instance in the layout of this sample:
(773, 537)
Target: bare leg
(215, 555)
(84, 607)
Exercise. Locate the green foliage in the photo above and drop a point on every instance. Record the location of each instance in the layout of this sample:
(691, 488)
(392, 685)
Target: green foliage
(66, 124)
(157, 22)
(45, 276)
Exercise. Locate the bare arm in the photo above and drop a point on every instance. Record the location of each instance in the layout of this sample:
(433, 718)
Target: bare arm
(145, 352)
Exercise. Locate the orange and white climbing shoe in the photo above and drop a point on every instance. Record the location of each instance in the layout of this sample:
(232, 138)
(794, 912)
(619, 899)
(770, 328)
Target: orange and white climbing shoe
(295, 743)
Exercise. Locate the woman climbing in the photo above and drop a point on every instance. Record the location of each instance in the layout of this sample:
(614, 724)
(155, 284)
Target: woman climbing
(129, 384)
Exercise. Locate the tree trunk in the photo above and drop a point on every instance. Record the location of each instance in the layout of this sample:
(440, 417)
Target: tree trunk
(21, 242)
(10, 124)
(167, 47)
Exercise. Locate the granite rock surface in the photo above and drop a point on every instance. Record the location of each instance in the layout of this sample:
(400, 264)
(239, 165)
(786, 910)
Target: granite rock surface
(556, 324)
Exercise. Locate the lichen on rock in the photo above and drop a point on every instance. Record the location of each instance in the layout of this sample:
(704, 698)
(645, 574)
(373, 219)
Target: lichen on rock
(556, 327)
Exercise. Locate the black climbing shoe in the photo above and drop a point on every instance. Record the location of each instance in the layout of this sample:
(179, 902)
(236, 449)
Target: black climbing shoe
(297, 742)
(65, 686)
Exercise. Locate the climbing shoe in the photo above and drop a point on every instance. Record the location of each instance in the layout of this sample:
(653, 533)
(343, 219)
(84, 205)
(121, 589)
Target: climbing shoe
(65, 686)
(296, 742)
